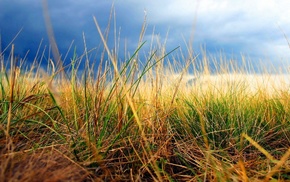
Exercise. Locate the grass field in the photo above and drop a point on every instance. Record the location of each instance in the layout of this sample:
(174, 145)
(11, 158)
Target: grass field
(149, 122)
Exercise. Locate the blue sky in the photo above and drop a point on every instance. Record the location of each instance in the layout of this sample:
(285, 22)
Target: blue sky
(253, 28)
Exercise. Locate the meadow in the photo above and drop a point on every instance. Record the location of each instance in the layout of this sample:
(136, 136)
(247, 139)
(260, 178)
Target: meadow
(153, 121)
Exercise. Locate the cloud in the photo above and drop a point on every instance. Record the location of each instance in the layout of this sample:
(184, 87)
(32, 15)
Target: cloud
(234, 27)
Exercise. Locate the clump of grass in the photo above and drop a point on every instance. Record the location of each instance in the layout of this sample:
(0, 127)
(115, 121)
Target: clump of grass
(143, 122)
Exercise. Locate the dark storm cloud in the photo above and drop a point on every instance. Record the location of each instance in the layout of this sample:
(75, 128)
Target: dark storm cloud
(233, 27)
(24, 16)
(69, 20)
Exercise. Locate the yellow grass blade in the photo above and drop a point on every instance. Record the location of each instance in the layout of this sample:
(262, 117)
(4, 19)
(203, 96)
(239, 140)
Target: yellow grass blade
(260, 148)
(12, 83)
(278, 165)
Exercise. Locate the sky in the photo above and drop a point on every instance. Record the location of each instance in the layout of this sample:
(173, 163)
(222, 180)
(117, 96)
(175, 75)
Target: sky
(255, 29)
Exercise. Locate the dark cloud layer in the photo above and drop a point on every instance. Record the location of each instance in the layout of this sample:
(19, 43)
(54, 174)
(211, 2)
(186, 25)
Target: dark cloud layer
(233, 29)
(70, 20)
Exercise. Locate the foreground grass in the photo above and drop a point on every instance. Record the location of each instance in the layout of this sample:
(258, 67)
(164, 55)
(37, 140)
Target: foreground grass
(85, 129)
(133, 123)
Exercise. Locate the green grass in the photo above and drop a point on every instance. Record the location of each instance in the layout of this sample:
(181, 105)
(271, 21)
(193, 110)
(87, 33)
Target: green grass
(133, 122)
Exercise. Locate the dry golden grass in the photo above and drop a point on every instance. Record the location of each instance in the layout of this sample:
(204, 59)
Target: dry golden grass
(172, 113)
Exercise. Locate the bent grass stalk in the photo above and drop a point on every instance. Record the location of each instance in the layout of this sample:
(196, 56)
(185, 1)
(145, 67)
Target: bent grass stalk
(12, 82)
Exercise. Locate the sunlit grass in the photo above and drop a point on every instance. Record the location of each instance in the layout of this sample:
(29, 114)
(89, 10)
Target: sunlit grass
(153, 121)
